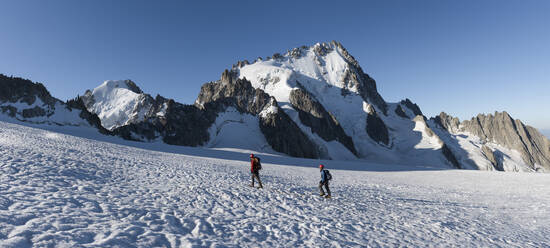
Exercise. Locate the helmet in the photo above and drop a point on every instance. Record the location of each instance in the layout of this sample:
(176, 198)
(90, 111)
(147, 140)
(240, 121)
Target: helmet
(321, 166)
(251, 155)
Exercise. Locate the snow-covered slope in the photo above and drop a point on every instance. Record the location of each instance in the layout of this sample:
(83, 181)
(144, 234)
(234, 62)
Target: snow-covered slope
(58, 190)
(333, 78)
(235, 130)
(117, 103)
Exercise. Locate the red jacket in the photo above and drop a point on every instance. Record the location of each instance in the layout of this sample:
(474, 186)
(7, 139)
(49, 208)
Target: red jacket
(253, 165)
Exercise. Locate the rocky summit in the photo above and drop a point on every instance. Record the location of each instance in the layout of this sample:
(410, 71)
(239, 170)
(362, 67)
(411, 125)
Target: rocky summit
(311, 102)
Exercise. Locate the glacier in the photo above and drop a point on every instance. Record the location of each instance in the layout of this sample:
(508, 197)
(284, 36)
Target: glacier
(64, 186)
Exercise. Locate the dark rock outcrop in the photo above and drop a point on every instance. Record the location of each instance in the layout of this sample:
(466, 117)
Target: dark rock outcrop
(513, 134)
(489, 155)
(400, 112)
(321, 122)
(16, 89)
(364, 83)
(285, 136)
(412, 106)
(92, 118)
(133, 86)
(33, 112)
(184, 124)
(376, 129)
(445, 150)
(449, 155)
(231, 91)
(179, 124)
(10, 110)
(282, 134)
(447, 122)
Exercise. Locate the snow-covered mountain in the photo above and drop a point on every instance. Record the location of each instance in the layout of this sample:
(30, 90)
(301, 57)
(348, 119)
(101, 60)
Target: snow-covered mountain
(118, 103)
(312, 102)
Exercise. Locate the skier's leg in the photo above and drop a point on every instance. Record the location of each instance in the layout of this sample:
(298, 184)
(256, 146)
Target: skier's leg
(321, 188)
(257, 175)
(252, 184)
(260, 181)
(328, 189)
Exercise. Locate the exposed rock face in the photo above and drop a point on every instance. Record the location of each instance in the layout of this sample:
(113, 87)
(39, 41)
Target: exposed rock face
(282, 134)
(445, 150)
(133, 86)
(10, 110)
(365, 84)
(184, 124)
(488, 153)
(285, 136)
(174, 123)
(92, 119)
(502, 129)
(321, 122)
(400, 112)
(412, 106)
(231, 91)
(16, 90)
(42, 107)
(33, 112)
(376, 129)
(450, 156)
(451, 124)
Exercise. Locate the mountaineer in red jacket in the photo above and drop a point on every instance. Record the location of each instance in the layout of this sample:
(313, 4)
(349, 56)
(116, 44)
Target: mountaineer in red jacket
(255, 167)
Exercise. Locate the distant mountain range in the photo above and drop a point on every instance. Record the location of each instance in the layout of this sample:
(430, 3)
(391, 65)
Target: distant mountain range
(312, 102)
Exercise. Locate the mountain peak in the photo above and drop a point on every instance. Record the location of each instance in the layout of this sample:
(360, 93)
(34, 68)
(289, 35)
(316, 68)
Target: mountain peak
(123, 84)
(326, 64)
(117, 103)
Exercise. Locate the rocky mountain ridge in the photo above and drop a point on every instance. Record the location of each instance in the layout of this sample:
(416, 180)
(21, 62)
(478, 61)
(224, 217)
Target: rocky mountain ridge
(312, 102)
(501, 128)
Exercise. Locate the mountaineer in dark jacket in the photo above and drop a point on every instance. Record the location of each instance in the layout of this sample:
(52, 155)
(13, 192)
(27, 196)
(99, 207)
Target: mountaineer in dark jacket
(325, 178)
(255, 167)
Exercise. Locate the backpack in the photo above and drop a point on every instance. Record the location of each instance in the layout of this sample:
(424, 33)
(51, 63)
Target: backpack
(329, 176)
(258, 165)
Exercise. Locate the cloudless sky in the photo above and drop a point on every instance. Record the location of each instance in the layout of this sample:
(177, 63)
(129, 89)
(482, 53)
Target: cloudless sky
(461, 57)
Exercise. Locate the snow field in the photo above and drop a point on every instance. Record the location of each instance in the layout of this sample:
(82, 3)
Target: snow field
(58, 115)
(58, 190)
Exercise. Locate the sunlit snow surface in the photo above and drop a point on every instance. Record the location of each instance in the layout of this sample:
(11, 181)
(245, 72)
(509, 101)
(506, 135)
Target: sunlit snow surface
(62, 190)
(116, 105)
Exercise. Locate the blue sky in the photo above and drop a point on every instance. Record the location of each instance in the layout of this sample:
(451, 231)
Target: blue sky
(461, 57)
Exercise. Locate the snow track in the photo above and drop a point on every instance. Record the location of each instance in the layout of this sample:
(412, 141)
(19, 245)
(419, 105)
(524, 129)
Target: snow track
(61, 190)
